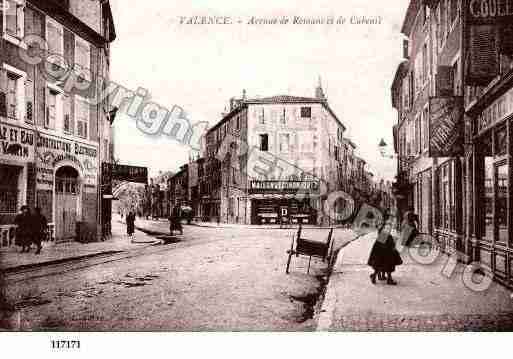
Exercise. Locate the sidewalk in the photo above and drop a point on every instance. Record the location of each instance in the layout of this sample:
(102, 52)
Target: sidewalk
(11, 259)
(263, 226)
(424, 299)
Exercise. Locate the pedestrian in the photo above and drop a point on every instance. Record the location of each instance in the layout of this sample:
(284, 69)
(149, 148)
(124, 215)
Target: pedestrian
(23, 229)
(177, 220)
(130, 224)
(40, 226)
(409, 228)
(384, 256)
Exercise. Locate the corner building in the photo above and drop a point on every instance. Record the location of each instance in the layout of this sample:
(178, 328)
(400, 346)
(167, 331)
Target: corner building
(53, 140)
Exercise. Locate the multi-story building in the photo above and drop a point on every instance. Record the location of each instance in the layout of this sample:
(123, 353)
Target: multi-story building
(54, 133)
(267, 150)
(454, 100)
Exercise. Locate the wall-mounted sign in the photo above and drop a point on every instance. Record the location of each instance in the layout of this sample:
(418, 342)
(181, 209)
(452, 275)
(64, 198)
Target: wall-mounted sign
(446, 126)
(489, 34)
(489, 11)
(284, 186)
(16, 143)
(130, 173)
(53, 151)
(498, 110)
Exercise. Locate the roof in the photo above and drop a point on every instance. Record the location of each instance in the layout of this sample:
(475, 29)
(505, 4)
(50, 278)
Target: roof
(285, 99)
(410, 16)
(351, 143)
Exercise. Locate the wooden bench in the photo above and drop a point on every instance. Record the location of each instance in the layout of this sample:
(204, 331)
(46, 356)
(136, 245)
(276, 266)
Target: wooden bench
(310, 248)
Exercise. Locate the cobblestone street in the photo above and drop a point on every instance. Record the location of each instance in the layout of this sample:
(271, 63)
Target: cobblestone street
(215, 279)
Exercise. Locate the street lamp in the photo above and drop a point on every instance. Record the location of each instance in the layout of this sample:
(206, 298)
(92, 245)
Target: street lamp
(383, 149)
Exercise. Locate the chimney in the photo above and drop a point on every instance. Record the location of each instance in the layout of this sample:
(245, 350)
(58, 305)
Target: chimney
(319, 92)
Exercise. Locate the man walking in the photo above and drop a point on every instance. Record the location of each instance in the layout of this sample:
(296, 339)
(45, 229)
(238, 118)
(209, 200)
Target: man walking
(40, 229)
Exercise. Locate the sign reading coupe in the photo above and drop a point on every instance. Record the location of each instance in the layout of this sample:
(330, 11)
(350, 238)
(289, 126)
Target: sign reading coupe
(482, 11)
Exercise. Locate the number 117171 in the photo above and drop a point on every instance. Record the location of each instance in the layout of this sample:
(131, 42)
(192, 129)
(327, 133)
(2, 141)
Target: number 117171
(65, 344)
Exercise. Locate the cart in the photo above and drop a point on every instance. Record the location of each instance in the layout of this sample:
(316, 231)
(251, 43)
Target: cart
(310, 248)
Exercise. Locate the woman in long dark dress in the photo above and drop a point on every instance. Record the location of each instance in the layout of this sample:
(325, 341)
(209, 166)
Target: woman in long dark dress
(384, 257)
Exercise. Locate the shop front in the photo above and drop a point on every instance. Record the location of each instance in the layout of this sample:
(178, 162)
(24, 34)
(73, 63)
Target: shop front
(492, 218)
(16, 176)
(66, 185)
(284, 202)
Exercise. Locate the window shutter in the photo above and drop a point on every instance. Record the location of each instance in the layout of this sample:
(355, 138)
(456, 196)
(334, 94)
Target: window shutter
(483, 54)
(3, 96)
(68, 114)
(506, 40)
(29, 100)
(444, 81)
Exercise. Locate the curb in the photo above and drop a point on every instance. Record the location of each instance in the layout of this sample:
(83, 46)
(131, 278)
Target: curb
(328, 305)
(22, 267)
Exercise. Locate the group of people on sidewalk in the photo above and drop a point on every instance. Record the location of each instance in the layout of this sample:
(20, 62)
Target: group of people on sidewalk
(384, 257)
(31, 228)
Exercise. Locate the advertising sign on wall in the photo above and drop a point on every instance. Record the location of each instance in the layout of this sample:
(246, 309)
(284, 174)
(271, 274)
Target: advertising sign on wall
(16, 143)
(446, 126)
(53, 151)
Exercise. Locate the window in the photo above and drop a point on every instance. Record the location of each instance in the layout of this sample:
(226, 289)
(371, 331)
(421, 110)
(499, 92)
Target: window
(83, 58)
(284, 142)
(14, 17)
(15, 92)
(261, 117)
(51, 109)
(82, 117)
(453, 8)
(283, 118)
(264, 142)
(446, 202)
(12, 95)
(425, 129)
(456, 77)
(237, 120)
(425, 64)
(54, 37)
(306, 112)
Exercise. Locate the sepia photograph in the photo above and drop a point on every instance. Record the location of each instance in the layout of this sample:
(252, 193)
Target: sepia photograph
(255, 167)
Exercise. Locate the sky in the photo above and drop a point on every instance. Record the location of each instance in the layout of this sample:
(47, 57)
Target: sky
(200, 67)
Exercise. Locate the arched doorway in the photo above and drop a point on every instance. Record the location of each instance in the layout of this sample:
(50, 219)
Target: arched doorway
(67, 190)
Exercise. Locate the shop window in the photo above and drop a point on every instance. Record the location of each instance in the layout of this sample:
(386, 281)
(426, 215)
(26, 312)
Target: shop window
(446, 203)
(9, 193)
(501, 209)
(501, 142)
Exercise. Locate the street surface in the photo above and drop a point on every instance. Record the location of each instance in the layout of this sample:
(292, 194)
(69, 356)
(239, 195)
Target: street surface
(427, 298)
(213, 279)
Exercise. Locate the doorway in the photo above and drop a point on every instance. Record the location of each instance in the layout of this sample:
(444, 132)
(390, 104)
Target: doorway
(66, 201)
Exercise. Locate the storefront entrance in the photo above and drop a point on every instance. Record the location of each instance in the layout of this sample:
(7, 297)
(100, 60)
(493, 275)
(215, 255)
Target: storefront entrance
(288, 211)
(66, 201)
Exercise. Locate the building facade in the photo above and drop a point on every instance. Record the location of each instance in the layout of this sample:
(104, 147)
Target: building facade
(453, 139)
(274, 160)
(54, 139)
